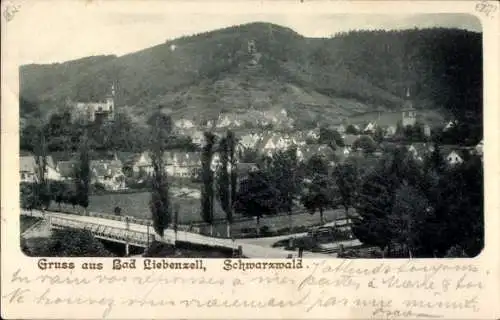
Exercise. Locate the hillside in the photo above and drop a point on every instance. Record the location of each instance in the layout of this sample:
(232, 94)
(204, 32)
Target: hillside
(204, 74)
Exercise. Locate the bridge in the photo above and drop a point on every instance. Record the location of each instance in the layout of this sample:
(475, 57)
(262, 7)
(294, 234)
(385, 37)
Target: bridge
(140, 233)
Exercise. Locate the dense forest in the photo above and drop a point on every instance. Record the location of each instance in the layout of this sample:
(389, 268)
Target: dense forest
(441, 67)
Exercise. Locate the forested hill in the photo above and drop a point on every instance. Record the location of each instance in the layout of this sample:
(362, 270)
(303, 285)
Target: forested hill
(351, 72)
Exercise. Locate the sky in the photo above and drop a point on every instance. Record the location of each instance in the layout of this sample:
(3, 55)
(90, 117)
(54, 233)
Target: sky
(74, 29)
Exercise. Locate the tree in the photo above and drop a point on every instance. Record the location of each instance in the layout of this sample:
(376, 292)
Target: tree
(378, 135)
(57, 189)
(435, 161)
(373, 205)
(365, 143)
(319, 197)
(284, 177)
(233, 176)
(257, 197)
(160, 202)
(407, 220)
(42, 193)
(316, 165)
(176, 220)
(351, 129)
(458, 203)
(346, 178)
(330, 137)
(82, 175)
(207, 191)
(224, 179)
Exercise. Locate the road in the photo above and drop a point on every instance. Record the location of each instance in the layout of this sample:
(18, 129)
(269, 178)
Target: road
(250, 250)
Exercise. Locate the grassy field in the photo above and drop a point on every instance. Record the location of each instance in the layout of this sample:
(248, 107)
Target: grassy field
(137, 205)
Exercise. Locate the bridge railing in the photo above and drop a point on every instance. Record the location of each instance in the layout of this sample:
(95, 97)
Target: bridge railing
(115, 233)
(144, 222)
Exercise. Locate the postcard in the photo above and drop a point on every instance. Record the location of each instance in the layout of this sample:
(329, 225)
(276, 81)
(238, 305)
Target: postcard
(250, 160)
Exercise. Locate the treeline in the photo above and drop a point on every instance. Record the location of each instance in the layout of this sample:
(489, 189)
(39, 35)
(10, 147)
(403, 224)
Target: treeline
(428, 210)
(122, 134)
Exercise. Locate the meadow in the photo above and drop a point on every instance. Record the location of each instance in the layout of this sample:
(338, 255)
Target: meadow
(136, 205)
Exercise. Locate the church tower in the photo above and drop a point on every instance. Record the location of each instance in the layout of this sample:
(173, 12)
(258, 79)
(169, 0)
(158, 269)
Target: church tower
(110, 103)
(409, 114)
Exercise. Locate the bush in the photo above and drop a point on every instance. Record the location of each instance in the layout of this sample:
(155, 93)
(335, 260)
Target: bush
(65, 243)
(98, 187)
(186, 250)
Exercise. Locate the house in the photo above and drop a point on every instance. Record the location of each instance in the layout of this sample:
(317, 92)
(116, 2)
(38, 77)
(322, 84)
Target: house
(313, 134)
(223, 121)
(390, 131)
(139, 164)
(450, 125)
(28, 168)
(108, 173)
(454, 158)
(67, 169)
(184, 124)
(479, 148)
(182, 164)
(427, 130)
(298, 138)
(96, 111)
(419, 151)
(197, 137)
(249, 141)
(341, 129)
(269, 143)
(370, 127)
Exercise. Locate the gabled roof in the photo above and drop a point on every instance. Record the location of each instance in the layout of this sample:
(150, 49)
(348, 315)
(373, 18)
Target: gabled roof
(63, 156)
(28, 163)
(67, 168)
(126, 156)
(182, 158)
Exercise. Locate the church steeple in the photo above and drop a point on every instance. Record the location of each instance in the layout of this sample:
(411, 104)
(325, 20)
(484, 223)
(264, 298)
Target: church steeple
(110, 102)
(409, 114)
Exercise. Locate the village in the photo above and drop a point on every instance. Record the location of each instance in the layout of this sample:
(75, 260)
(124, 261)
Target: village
(112, 170)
